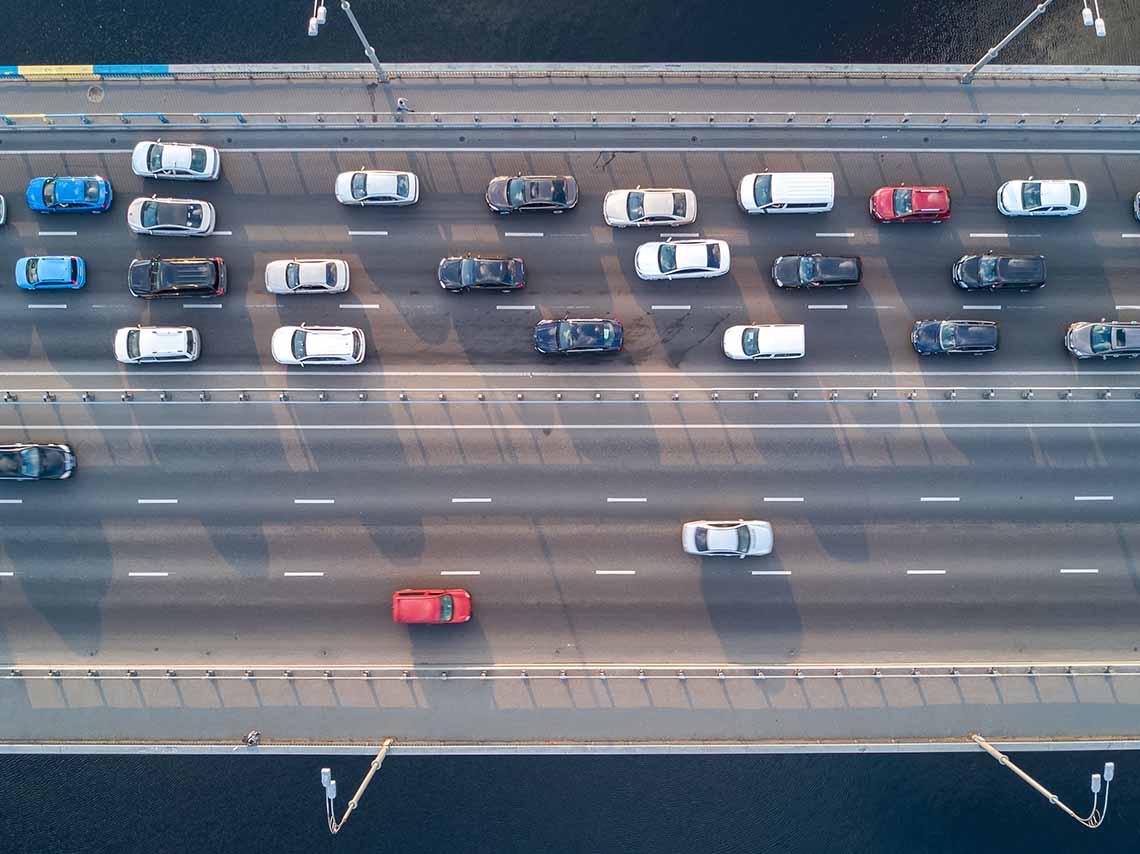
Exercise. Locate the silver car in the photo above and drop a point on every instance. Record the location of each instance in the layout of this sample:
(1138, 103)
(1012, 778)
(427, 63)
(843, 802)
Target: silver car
(377, 187)
(727, 539)
(638, 207)
(307, 276)
(318, 345)
(1108, 339)
(171, 217)
(139, 344)
(176, 160)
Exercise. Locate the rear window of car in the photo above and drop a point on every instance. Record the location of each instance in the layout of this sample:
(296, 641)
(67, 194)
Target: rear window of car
(198, 159)
(635, 206)
(402, 186)
(1031, 195)
(902, 201)
(1074, 195)
(31, 272)
(446, 607)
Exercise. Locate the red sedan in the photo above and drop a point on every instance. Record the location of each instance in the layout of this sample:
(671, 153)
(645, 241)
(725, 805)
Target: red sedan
(911, 204)
(431, 606)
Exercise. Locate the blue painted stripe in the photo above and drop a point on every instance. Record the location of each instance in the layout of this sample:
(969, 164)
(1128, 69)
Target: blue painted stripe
(132, 70)
(9, 71)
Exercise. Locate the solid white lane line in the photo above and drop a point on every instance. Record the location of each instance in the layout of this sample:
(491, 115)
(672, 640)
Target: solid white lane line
(514, 308)
(981, 308)
(615, 572)
(360, 305)
(471, 501)
(156, 500)
(314, 501)
(368, 233)
(626, 500)
(11, 501)
(926, 572)
(1093, 497)
(303, 574)
(222, 233)
(459, 572)
(523, 234)
(782, 500)
(1079, 571)
(771, 572)
(201, 305)
(936, 498)
(827, 305)
(835, 234)
(59, 233)
(679, 234)
(147, 574)
(47, 305)
(670, 307)
(1128, 234)
(989, 234)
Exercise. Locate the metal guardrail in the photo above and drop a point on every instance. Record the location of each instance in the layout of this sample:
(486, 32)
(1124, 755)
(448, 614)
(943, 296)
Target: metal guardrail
(599, 672)
(579, 119)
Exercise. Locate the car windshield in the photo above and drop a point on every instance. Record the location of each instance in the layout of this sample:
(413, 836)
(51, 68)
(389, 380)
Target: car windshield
(903, 201)
(946, 336)
(714, 255)
(133, 343)
(744, 538)
(299, 344)
(198, 159)
(74, 270)
(516, 191)
(1031, 195)
(565, 336)
(750, 342)
(330, 274)
(446, 608)
(1074, 194)
(762, 191)
(1100, 338)
(635, 206)
(807, 268)
(402, 186)
(49, 191)
(359, 185)
(154, 158)
(667, 257)
(31, 272)
(702, 540)
(149, 214)
(292, 275)
(30, 462)
(988, 269)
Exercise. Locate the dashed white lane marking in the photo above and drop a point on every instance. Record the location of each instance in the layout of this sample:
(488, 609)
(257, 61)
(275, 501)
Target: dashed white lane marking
(771, 572)
(368, 233)
(679, 234)
(147, 574)
(878, 307)
(835, 234)
(615, 572)
(1127, 307)
(314, 501)
(936, 498)
(201, 305)
(626, 500)
(221, 234)
(11, 501)
(515, 308)
(926, 572)
(973, 307)
(988, 234)
(47, 305)
(827, 305)
(303, 574)
(360, 305)
(523, 234)
(459, 572)
(1079, 571)
(1094, 497)
(783, 500)
(156, 500)
(59, 233)
(670, 308)
(471, 501)
(1129, 234)
(7, 574)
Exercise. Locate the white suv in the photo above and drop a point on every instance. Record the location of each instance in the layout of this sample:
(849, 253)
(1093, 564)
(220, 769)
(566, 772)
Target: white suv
(137, 344)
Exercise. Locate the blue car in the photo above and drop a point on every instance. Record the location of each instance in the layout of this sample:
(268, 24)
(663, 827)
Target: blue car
(51, 271)
(68, 194)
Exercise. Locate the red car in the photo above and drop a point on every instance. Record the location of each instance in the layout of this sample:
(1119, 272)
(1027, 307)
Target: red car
(431, 606)
(911, 204)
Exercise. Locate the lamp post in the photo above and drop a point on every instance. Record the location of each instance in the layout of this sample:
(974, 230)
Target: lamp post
(320, 15)
(1094, 819)
(991, 54)
(330, 789)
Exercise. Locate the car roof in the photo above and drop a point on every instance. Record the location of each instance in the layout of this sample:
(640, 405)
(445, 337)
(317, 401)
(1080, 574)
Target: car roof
(1021, 268)
(929, 198)
(54, 267)
(380, 183)
(162, 340)
(71, 189)
(781, 337)
(1056, 193)
(327, 342)
(975, 332)
(176, 155)
(1131, 335)
(692, 254)
(311, 272)
(658, 202)
(723, 539)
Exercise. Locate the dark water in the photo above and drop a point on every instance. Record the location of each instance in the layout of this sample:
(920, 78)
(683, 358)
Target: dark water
(924, 31)
(922, 804)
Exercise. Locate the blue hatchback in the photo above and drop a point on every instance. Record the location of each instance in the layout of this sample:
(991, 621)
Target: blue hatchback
(51, 271)
(68, 194)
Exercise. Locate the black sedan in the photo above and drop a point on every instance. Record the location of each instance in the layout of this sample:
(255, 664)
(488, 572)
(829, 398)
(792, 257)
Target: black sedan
(556, 193)
(998, 272)
(562, 337)
(931, 337)
(36, 462)
(459, 273)
(816, 271)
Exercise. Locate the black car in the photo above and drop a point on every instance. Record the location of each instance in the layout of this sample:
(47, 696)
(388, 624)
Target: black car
(561, 337)
(458, 273)
(931, 337)
(36, 462)
(999, 272)
(555, 193)
(158, 278)
(816, 271)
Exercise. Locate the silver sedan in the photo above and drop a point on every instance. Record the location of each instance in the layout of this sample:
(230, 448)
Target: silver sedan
(307, 276)
(682, 259)
(727, 539)
(377, 187)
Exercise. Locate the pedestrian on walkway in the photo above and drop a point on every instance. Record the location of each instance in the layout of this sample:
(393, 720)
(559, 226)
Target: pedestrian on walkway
(402, 106)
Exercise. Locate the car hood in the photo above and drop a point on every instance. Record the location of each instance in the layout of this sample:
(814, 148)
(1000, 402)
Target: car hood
(1010, 195)
(786, 270)
(54, 462)
(733, 342)
(883, 202)
(497, 192)
(967, 269)
(761, 536)
(1079, 338)
(615, 206)
(344, 185)
(34, 195)
(546, 336)
(449, 270)
(925, 334)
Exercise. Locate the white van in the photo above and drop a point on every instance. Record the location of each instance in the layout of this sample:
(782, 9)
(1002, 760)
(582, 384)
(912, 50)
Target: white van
(765, 341)
(786, 192)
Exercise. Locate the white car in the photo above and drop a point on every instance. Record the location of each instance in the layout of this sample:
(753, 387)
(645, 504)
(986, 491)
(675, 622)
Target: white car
(727, 539)
(307, 276)
(171, 217)
(682, 259)
(137, 344)
(1059, 197)
(764, 341)
(318, 345)
(638, 207)
(377, 187)
(180, 161)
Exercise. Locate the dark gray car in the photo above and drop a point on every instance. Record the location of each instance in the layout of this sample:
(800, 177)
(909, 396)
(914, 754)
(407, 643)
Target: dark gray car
(555, 193)
(932, 337)
(999, 272)
(459, 273)
(1108, 339)
(817, 271)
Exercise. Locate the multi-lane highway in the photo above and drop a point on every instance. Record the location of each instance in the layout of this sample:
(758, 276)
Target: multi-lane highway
(225, 511)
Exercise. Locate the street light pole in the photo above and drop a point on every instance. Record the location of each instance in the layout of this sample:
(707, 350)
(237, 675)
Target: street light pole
(1095, 818)
(992, 53)
(330, 789)
(318, 18)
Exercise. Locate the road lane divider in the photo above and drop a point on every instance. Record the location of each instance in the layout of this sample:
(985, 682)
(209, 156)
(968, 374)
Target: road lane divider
(835, 234)
(934, 499)
(615, 572)
(824, 306)
(1079, 571)
(7, 574)
(679, 234)
(459, 572)
(11, 501)
(926, 572)
(1130, 235)
(314, 501)
(1127, 307)
(147, 574)
(782, 500)
(47, 305)
(201, 305)
(973, 307)
(367, 233)
(1094, 497)
(303, 574)
(156, 500)
(670, 308)
(523, 234)
(59, 234)
(515, 308)
(771, 572)
(626, 500)
(360, 305)
(470, 500)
